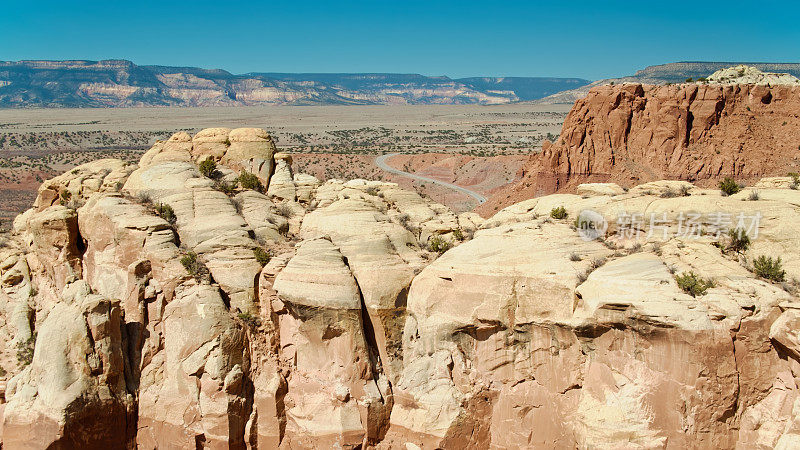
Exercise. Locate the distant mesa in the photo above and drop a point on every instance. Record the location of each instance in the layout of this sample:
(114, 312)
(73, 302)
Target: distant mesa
(119, 83)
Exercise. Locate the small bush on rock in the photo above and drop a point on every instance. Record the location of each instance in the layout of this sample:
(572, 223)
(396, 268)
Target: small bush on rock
(439, 245)
(729, 186)
(285, 210)
(225, 187)
(693, 284)
(25, 350)
(194, 266)
(250, 181)
(768, 268)
(558, 213)
(262, 256)
(795, 179)
(739, 241)
(167, 213)
(208, 168)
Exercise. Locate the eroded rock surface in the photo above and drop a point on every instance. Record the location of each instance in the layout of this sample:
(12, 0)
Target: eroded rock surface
(160, 308)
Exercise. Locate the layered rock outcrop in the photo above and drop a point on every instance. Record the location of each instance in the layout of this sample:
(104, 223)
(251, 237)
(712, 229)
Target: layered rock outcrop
(359, 315)
(699, 132)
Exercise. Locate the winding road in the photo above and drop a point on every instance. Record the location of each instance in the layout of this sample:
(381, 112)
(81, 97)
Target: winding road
(381, 162)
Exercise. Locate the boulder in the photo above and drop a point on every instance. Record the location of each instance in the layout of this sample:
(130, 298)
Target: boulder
(210, 142)
(248, 143)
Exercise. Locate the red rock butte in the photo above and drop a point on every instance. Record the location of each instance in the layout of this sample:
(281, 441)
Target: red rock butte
(634, 133)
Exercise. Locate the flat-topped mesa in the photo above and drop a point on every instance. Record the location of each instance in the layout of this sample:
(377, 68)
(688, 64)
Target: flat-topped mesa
(699, 131)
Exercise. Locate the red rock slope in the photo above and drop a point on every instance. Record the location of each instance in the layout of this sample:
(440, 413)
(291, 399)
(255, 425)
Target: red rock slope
(634, 133)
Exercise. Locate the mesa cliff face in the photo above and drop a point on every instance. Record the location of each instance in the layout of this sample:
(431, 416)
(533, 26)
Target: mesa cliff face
(126, 326)
(634, 133)
(120, 83)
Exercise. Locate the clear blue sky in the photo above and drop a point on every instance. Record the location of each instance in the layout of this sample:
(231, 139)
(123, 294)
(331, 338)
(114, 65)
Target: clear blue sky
(589, 39)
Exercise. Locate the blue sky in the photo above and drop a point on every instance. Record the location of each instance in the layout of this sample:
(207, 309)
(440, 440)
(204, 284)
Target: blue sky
(455, 38)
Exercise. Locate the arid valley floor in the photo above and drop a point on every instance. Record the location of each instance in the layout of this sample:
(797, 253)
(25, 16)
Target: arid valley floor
(450, 143)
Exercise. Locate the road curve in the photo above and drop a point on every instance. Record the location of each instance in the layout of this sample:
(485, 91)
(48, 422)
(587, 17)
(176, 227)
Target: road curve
(381, 162)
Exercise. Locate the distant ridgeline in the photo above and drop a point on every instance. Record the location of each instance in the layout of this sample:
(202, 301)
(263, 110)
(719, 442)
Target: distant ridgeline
(668, 73)
(680, 71)
(119, 83)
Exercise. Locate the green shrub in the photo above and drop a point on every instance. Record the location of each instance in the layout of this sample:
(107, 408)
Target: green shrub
(65, 197)
(250, 181)
(167, 213)
(795, 179)
(225, 187)
(262, 256)
(768, 268)
(729, 186)
(739, 240)
(208, 168)
(439, 245)
(194, 266)
(692, 284)
(558, 213)
(458, 234)
(25, 350)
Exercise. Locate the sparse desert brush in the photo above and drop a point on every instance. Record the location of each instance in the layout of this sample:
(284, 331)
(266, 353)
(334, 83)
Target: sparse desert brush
(284, 210)
(405, 221)
(225, 187)
(194, 266)
(144, 198)
(65, 197)
(693, 284)
(167, 213)
(262, 256)
(250, 181)
(558, 213)
(738, 240)
(458, 234)
(669, 193)
(769, 268)
(729, 186)
(208, 168)
(25, 350)
(439, 245)
(574, 257)
(753, 196)
(795, 179)
(249, 319)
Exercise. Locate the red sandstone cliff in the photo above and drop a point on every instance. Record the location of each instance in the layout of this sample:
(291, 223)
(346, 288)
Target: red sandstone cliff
(635, 133)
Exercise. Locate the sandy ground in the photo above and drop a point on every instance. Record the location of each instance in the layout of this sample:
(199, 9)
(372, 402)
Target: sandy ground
(478, 147)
